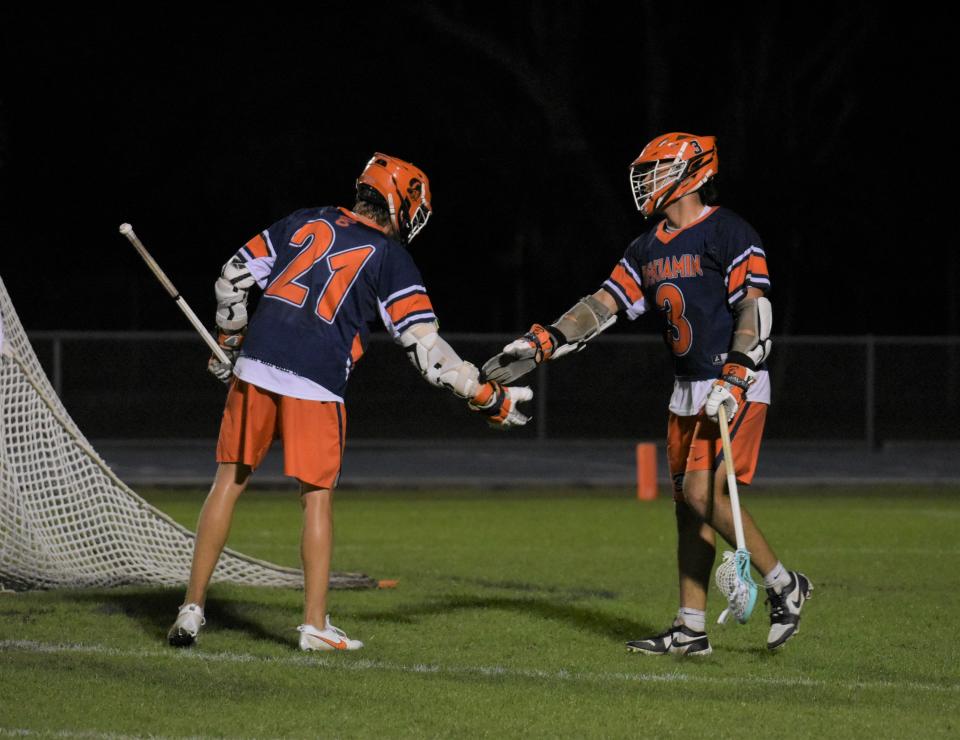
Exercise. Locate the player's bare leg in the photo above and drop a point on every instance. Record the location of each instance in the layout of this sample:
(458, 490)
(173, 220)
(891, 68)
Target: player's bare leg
(696, 551)
(786, 590)
(316, 546)
(213, 527)
(212, 531)
(695, 555)
(701, 489)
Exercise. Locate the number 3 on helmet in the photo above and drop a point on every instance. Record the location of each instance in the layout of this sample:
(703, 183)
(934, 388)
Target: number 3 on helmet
(669, 167)
(399, 187)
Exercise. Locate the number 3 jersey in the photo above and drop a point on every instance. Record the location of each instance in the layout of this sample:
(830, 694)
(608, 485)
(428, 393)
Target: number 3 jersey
(694, 277)
(326, 274)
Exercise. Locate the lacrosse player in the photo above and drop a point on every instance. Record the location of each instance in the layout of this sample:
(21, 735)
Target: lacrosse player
(326, 273)
(704, 270)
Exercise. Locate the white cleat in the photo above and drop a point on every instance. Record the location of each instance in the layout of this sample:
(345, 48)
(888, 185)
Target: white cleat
(785, 609)
(329, 638)
(189, 621)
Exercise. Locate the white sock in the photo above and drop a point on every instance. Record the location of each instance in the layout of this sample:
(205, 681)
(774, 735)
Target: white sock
(695, 619)
(778, 578)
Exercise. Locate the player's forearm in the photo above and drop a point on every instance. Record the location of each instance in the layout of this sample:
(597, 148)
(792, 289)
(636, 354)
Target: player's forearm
(570, 333)
(438, 362)
(607, 300)
(586, 319)
(440, 365)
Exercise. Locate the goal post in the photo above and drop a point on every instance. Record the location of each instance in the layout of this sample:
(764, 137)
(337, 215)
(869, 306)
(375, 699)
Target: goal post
(67, 520)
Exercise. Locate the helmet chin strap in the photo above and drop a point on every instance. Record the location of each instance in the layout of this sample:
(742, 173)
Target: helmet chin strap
(393, 212)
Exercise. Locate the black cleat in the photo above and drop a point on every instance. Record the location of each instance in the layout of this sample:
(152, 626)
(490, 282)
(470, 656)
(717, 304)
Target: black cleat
(676, 640)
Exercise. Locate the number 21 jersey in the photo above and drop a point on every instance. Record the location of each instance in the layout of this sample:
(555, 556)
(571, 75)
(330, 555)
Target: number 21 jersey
(326, 274)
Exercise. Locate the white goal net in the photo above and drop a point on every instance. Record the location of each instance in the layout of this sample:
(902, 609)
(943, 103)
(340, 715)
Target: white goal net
(66, 520)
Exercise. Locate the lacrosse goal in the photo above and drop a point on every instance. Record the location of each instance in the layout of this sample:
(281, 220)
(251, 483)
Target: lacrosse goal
(66, 520)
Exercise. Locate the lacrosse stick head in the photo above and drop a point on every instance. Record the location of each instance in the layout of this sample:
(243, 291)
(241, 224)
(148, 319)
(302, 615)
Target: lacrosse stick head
(736, 584)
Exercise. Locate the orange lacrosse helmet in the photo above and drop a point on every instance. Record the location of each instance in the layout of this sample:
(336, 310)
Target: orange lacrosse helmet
(670, 167)
(400, 188)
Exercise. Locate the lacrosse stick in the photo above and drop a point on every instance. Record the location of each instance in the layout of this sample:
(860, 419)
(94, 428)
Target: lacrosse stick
(733, 574)
(127, 231)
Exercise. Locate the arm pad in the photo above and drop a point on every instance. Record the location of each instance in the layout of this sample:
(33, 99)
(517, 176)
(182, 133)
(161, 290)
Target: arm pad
(231, 289)
(753, 321)
(580, 324)
(438, 362)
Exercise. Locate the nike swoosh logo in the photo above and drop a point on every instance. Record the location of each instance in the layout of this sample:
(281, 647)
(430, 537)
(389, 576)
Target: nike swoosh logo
(684, 639)
(798, 603)
(340, 645)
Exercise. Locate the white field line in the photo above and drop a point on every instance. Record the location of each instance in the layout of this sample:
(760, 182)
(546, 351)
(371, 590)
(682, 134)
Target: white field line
(349, 664)
(92, 734)
(891, 551)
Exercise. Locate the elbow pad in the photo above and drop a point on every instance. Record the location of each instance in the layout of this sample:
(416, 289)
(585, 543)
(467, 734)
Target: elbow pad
(231, 290)
(751, 335)
(439, 363)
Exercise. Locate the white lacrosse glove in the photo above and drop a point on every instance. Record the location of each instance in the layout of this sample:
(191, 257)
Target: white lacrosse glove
(230, 344)
(499, 404)
(521, 355)
(729, 391)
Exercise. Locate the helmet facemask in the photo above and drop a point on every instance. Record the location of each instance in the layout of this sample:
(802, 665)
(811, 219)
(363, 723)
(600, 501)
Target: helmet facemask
(420, 218)
(414, 223)
(655, 182)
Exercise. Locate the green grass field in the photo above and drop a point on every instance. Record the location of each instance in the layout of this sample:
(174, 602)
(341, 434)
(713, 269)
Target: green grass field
(509, 620)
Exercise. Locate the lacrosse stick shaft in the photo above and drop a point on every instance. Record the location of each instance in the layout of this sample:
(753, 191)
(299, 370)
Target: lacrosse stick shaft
(127, 231)
(731, 478)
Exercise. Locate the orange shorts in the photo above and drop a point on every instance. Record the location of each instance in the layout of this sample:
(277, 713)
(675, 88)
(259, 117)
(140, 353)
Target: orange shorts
(693, 443)
(312, 433)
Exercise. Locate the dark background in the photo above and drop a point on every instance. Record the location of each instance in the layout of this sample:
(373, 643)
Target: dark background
(202, 127)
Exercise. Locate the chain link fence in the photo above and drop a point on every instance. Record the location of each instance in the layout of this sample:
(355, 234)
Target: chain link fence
(143, 385)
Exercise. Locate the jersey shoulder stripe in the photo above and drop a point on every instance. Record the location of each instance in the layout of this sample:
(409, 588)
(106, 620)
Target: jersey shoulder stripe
(257, 248)
(408, 305)
(402, 294)
(619, 296)
(747, 270)
(417, 317)
(626, 280)
(745, 255)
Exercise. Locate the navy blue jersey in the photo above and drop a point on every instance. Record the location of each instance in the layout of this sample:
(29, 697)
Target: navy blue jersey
(693, 276)
(326, 274)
